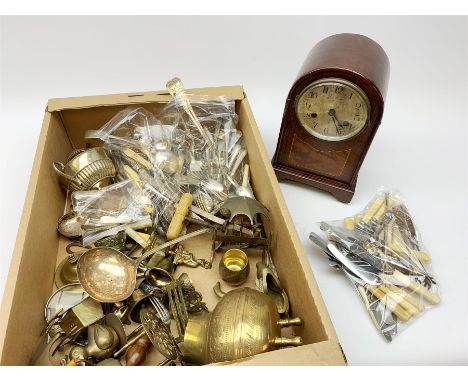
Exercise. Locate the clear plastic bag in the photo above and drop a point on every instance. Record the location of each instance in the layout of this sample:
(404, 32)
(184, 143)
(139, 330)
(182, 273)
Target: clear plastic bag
(117, 204)
(133, 126)
(212, 167)
(381, 252)
(192, 146)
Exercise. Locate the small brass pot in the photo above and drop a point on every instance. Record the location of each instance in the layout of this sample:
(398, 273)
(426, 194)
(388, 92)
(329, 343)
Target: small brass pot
(234, 267)
(87, 169)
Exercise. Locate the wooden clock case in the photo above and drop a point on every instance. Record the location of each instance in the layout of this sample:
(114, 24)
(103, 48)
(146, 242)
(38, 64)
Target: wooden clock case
(333, 165)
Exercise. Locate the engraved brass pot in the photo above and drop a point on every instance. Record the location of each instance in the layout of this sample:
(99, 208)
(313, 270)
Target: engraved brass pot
(245, 322)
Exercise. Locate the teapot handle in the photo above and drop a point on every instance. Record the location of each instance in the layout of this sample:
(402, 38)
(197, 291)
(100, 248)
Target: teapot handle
(59, 169)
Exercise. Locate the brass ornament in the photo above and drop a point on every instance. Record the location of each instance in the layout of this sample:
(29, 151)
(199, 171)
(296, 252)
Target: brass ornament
(159, 334)
(245, 322)
(268, 283)
(66, 272)
(234, 267)
(242, 205)
(193, 299)
(194, 302)
(86, 313)
(113, 321)
(183, 257)
(177, 306)
(102, 341)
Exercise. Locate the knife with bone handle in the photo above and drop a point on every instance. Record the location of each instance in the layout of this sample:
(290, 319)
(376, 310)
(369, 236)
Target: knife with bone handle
(370, 278)
(383, 320)
(406, 296)
(382, 258)
(393, 305)
(381, 316)
(399, 278)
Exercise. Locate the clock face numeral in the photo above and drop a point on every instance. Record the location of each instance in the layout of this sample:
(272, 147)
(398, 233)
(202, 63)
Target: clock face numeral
(333, 109)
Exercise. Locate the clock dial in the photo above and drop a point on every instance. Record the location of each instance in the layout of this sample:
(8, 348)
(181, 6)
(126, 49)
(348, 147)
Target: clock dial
(333, 109)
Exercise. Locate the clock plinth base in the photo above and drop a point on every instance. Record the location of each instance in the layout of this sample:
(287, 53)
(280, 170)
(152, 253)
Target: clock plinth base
(341, 191)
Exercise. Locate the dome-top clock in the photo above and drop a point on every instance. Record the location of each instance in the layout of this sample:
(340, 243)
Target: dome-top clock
(332, 113)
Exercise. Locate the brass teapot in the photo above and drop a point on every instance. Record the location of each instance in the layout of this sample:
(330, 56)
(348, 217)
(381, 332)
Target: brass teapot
(86, 169)
(245, 322)
(103, 340)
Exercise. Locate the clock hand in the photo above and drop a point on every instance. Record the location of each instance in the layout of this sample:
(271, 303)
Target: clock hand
(332, 113)
(336, 121)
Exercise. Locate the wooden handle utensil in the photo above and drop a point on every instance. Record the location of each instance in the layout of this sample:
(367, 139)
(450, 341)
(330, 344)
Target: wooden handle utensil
(136, 353)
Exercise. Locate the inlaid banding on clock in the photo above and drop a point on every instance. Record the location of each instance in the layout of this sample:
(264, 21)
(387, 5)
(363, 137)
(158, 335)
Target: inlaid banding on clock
(328, 163)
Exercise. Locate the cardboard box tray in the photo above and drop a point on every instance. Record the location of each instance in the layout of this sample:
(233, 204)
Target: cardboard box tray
(39, 248)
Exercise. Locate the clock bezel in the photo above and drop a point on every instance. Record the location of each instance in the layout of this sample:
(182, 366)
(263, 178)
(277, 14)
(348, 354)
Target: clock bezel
(340, 81)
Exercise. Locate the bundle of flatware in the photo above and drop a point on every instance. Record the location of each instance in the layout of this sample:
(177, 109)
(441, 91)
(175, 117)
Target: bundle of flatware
(381, 252)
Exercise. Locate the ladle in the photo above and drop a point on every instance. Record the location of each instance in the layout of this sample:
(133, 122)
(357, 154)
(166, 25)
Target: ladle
(107, 275)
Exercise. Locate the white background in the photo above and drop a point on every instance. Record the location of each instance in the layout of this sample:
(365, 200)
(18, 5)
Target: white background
(420, 147)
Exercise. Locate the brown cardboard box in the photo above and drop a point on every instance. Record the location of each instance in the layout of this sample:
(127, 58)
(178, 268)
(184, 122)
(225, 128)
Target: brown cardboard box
(38, 246)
